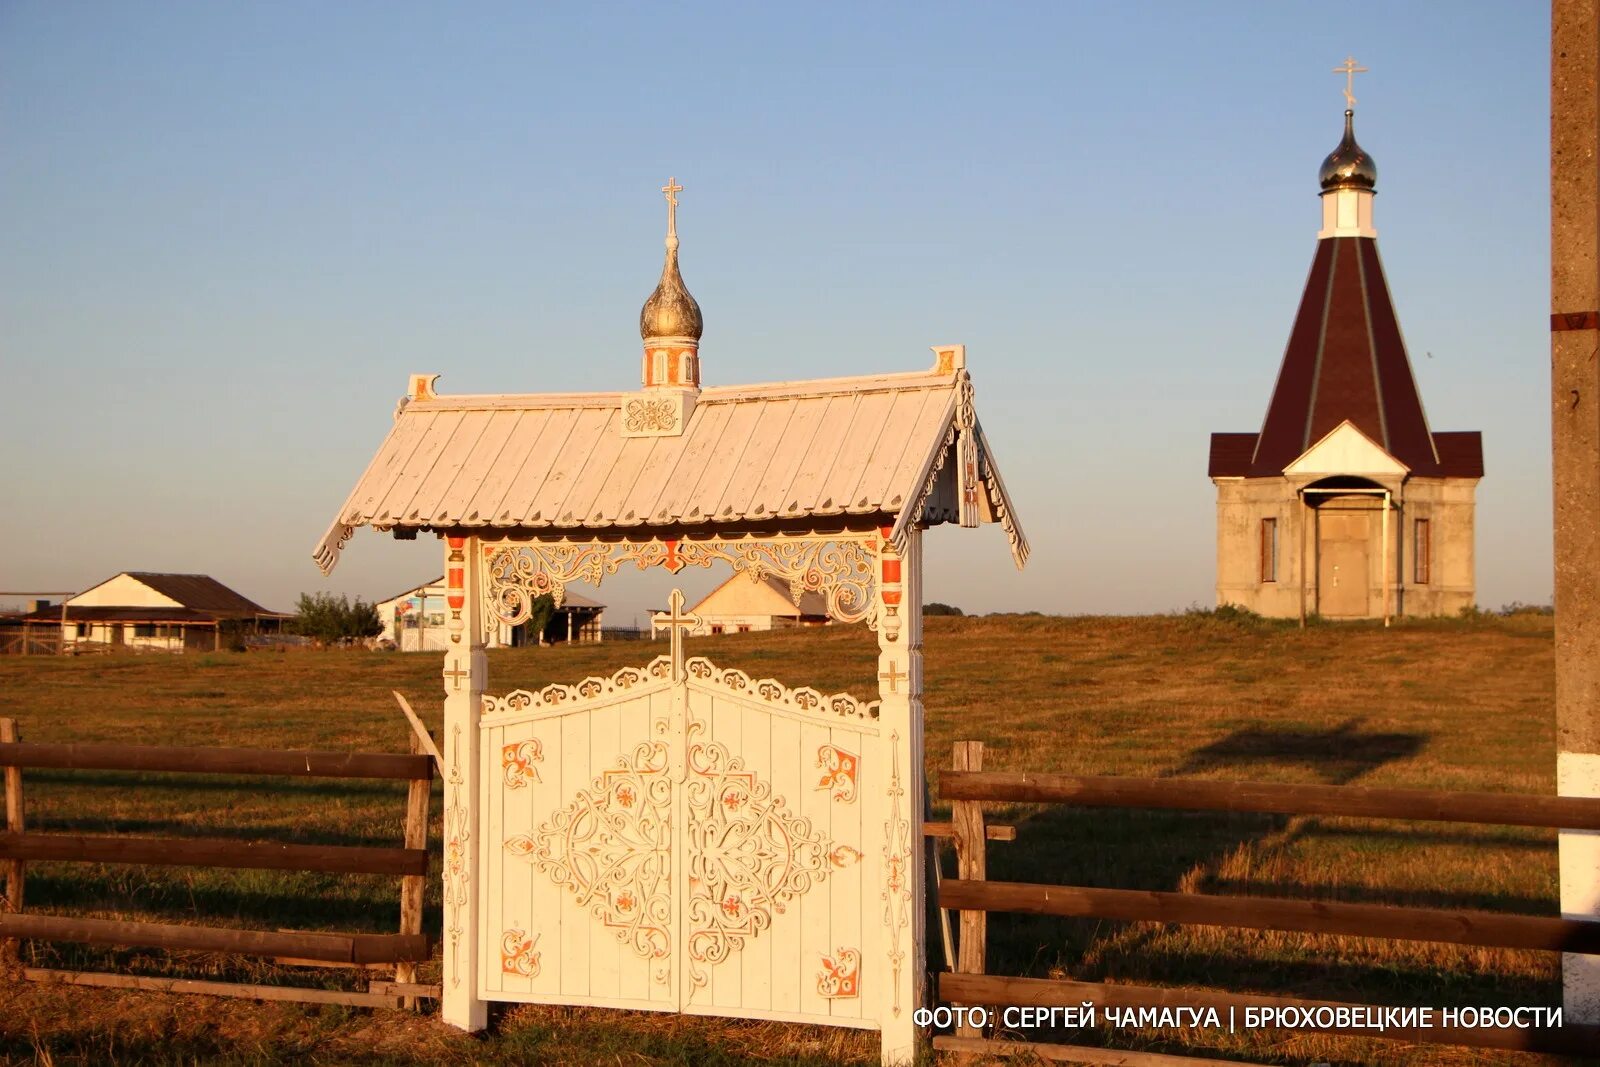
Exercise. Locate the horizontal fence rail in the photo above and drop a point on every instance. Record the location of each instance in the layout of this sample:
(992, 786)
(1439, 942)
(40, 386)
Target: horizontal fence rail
(301, 764)
(1456, 927)
(321, 947)
(384, 999)
(212, 852)
(1050, 992)
(1504, 809)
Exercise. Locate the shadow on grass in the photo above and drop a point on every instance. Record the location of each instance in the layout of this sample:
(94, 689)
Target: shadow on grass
(1338, 756)
(337, 903)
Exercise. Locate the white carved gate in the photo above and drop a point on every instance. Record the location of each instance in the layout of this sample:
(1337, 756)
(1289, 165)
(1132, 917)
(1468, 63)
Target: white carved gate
(679, 837)
(682, 837)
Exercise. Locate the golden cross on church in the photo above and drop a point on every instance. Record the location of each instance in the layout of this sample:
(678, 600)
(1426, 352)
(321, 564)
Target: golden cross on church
(672, 189)
(1349, 70)
(679, 624)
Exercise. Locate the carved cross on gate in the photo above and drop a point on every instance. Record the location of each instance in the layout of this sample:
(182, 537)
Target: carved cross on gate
(894, 676)
(679, 624)
(455, 674)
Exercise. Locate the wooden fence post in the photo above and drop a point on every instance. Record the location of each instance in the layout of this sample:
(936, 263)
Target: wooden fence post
(413, 886)
(966, 817)
(9, 949)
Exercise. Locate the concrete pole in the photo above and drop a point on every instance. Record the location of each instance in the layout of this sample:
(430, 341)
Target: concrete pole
(1575, 426)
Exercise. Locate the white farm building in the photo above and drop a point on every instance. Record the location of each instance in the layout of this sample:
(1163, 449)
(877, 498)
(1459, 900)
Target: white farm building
(741, 605)
(415, 621)
(156, 611)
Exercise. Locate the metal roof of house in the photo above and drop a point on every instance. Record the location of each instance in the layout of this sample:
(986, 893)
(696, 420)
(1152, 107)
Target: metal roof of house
(829, 454)
(196, 592)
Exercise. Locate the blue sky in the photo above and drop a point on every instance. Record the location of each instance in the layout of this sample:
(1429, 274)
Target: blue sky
(231, 231)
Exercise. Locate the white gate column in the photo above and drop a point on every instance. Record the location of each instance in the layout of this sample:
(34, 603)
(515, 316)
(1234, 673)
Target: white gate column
(899, 616)
(465, 676)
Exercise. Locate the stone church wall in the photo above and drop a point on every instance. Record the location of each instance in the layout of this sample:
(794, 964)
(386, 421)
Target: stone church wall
(1447, 504)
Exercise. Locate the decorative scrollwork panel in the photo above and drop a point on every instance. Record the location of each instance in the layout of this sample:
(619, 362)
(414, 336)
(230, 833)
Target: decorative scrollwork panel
(840, 568)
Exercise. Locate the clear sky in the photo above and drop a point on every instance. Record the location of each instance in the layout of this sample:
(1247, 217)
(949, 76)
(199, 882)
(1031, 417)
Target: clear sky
(229, 232)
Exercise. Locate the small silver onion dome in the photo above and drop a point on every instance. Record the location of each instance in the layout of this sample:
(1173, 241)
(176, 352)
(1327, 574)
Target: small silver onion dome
(1348, 166)
(671, 311)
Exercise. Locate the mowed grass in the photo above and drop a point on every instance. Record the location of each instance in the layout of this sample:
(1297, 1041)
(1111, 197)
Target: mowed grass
(1448, 705)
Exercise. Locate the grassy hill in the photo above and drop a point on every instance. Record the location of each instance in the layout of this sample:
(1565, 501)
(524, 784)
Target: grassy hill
(1447, 705)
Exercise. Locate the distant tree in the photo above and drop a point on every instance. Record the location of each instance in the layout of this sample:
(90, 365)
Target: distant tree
(363, 621)
(937, 608)
(541, 611)
(334, 620)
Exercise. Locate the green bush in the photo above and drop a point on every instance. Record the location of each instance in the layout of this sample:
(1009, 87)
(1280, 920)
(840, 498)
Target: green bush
(334, 620)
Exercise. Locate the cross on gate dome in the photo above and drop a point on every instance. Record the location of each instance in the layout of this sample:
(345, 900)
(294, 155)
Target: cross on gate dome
(671, 311)
(1348, 166)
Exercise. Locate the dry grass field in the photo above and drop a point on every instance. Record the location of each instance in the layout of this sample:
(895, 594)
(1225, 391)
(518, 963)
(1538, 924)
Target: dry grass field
(1448, 705)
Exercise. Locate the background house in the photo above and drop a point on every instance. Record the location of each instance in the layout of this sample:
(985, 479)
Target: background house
(414, 620)
(170, 612)
(740, 605)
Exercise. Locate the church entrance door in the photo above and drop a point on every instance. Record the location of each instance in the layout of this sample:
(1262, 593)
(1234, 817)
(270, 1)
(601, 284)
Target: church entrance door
(1343, 579)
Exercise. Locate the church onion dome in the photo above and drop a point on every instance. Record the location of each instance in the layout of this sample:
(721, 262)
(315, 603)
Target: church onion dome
(1348, 166)
(671, 311)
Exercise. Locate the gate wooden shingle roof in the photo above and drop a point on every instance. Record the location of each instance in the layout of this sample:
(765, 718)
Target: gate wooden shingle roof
(843, 453)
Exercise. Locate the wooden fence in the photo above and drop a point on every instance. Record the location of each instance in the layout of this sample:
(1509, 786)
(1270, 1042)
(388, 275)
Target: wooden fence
(402, 950)
(968, 786)
(28, 640)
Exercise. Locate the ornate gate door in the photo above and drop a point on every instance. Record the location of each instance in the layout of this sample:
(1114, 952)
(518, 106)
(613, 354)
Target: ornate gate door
(683, 837)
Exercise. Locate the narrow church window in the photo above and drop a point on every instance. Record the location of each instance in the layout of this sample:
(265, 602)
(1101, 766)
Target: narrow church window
(1424, 552)
(1269, 550)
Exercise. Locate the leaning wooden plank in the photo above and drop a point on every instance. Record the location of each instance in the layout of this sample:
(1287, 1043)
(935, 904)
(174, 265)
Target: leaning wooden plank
(1448, 926)
(406, 989)
(293, 961)
(947, 829)
(300, 764)
(213, 989)
(332, 948)
(419, 731)
(1504, 809)
(1052, 993)
(1108, 1057)
(210, 852)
